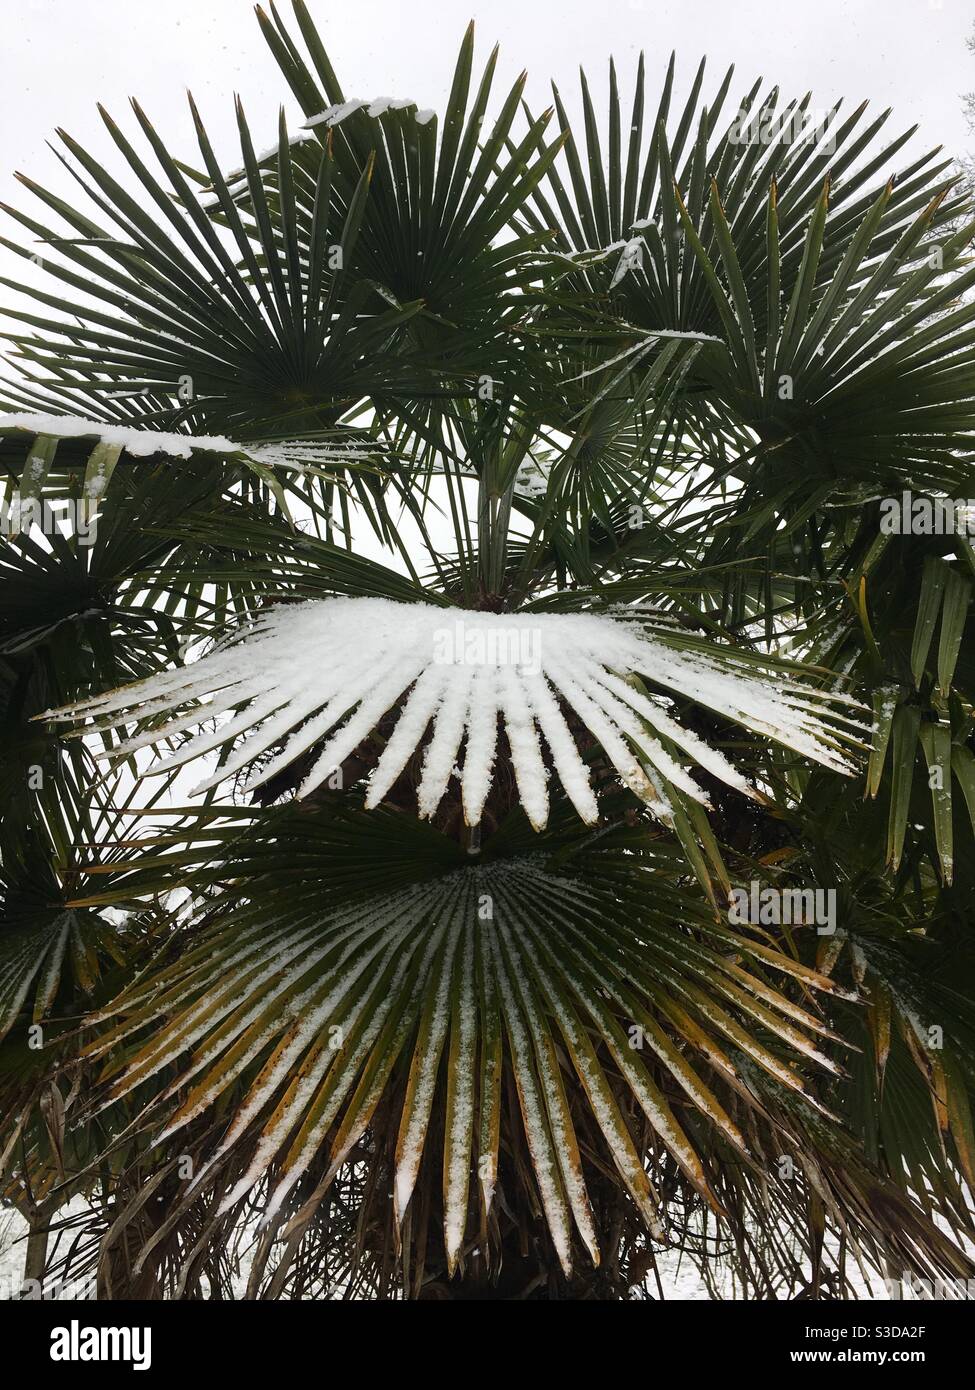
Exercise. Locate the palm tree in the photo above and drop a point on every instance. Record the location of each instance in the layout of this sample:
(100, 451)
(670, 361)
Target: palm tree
(493, 527)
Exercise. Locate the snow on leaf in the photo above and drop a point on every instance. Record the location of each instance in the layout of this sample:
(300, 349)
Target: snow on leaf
(334, 115)
(138, 443)
(295, 455)
(375, 107)
(323, 673)
(631, 259)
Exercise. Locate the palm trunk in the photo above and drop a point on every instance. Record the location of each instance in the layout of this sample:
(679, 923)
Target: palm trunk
(35, 1261)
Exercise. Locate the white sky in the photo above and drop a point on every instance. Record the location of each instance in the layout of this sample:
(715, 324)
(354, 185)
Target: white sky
(60, 56)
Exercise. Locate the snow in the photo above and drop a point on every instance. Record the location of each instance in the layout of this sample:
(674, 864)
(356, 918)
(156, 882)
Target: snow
(331, 669)
(334, 115)
(381, 105)
(138, 443)
(630, 259)
(461, 1108)
(444, 746)
(482, 733)
(531, 479)
(594, 253)
(298, 455)
(532, 1110)
(526, 749)
(304, 454)
(423, 1081)
(374, 106)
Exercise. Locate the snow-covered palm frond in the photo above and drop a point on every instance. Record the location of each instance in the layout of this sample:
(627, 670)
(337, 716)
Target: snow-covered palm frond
(419, 973)
(335, 448)
(134, 440)
(321, 674)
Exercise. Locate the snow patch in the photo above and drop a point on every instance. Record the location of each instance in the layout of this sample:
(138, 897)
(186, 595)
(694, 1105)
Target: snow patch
(138, 443)
(323, 673)
(373, 106)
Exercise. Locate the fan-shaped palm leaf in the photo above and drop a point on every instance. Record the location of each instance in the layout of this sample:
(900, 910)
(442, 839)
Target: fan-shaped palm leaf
(460, 671)
(315, 1009)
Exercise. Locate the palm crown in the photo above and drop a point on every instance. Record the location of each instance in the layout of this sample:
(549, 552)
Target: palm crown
(432, 985)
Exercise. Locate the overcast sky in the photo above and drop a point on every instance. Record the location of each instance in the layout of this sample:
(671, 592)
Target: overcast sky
(63, 55)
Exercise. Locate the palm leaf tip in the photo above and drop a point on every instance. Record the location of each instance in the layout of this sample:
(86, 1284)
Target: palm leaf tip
(319, 677)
